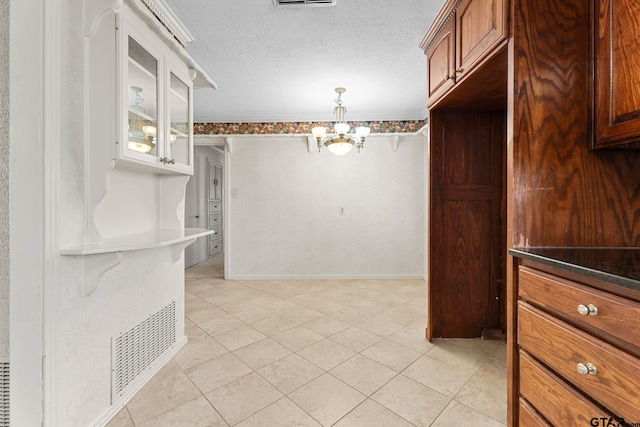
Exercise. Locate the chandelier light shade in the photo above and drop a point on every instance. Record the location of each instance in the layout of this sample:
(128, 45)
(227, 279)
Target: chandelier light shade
(340, 142)
(142, 138)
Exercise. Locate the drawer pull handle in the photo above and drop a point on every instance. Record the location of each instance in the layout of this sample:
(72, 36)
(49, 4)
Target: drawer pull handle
(586, 310)
(588, 369)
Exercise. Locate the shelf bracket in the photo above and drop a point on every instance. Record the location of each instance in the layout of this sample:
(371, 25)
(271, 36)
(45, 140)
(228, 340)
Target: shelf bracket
(311, 144)
(177, 248)
(94, 12)
(95, 266)
(395, 142)
(228, 142)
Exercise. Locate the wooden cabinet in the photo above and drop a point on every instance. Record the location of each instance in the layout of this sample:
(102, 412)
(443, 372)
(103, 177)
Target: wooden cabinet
(466, 223)
(441, 62)
(467, 100)
(155, 101)
(480, 26)
(464, 34)
(575, 354)
(616, 53)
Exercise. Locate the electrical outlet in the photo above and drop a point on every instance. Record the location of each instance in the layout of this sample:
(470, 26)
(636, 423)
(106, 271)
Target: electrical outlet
(341, 210)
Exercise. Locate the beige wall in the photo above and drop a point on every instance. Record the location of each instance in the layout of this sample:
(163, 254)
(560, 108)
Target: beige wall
(285, 220)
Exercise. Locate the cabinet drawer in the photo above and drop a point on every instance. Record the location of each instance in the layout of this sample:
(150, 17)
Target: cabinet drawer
(218, 235)
(553, 398)
(529, 417)
(215, 220)
(616, 316)
(215, 246)
(563, 347)
(215, 206)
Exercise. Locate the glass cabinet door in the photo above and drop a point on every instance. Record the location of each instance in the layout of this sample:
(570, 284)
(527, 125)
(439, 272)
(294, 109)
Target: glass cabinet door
(155, 122)
(142, 129)
(179, 105)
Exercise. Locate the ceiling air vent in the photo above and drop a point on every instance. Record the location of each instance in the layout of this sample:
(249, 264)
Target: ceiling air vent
(305, 3)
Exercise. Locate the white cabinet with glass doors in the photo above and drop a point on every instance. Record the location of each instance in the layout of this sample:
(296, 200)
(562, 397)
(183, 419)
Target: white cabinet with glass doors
(155, 102)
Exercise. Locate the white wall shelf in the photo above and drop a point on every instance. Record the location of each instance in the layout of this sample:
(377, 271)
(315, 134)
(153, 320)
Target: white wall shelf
(133, 242)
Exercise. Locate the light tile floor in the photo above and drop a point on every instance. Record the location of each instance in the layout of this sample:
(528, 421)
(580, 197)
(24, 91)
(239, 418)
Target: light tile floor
(318, 352)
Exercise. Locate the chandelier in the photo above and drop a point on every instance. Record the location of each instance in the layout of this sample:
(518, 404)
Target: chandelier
(340, 143)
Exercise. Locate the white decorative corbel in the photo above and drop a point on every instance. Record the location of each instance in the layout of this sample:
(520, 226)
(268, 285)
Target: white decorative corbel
(193, 73)
(176, 249)
(94, 11)
(394, 143)
(228, 142)
(95, 266)
(311, 144)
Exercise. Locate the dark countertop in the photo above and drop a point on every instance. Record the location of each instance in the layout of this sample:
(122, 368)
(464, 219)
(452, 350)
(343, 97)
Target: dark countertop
(620, 266)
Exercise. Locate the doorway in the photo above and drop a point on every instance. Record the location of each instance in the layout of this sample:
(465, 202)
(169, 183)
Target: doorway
(204, 204)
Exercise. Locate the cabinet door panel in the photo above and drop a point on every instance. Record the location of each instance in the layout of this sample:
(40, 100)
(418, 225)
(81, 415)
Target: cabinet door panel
(617, 56)
(142, 95)
(440, 63)
(215, 181)
(480, 26)
(179, 120)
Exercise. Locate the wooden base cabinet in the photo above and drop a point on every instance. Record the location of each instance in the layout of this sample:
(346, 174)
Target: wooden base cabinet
(574, 349)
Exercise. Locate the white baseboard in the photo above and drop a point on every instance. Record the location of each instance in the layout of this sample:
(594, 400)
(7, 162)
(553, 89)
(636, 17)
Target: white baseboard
(138, 383)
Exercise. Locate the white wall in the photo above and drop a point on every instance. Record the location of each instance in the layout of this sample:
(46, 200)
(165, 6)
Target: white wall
(4, 179)
(27, 223)
(285, 222)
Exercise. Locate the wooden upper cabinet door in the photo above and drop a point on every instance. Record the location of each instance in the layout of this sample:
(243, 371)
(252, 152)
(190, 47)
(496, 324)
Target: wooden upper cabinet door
(617, 72)
(440, 62)
(480, 26)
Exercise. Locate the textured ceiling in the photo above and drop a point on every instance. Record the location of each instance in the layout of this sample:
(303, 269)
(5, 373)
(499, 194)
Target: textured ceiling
(283, 63)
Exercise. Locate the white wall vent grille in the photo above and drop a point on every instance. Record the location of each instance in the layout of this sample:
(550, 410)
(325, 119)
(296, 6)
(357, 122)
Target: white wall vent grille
(135, 350)
(306, 3)
(4, 393)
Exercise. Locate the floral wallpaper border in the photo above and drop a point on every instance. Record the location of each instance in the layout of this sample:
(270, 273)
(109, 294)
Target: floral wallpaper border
(281, 128)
